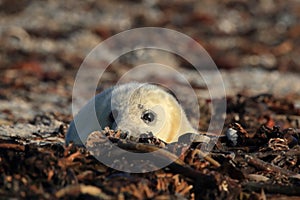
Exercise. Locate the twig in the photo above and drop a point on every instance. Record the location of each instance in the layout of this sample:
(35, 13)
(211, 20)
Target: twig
(12, 146)
(176, 165)
(208, 158)
(260, 164)
(145, 148)
(271, 188)
(75, 190)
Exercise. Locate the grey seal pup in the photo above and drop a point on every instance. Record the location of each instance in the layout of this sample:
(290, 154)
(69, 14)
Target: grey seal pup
(135, 108)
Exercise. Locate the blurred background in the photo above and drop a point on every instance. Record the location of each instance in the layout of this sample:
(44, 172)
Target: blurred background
(255, 44)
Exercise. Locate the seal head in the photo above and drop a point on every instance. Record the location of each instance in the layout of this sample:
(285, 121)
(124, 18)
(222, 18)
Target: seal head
(136, 108)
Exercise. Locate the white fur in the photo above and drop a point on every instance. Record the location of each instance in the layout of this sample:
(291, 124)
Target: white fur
(131, 100)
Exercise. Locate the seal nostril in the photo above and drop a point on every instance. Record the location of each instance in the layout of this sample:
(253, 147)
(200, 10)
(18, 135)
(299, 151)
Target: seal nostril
(123, 135)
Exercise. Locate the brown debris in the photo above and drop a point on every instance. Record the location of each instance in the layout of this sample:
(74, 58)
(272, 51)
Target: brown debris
(262, 154)
(75, 190)
(256, 157)
(16, 147)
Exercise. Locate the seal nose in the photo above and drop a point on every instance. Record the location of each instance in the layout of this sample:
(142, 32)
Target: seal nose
(132, 132)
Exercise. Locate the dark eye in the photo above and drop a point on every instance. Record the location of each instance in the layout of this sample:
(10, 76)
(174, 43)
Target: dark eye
(148, 116)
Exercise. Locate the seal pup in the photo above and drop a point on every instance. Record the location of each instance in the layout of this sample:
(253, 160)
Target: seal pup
(135, 108)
